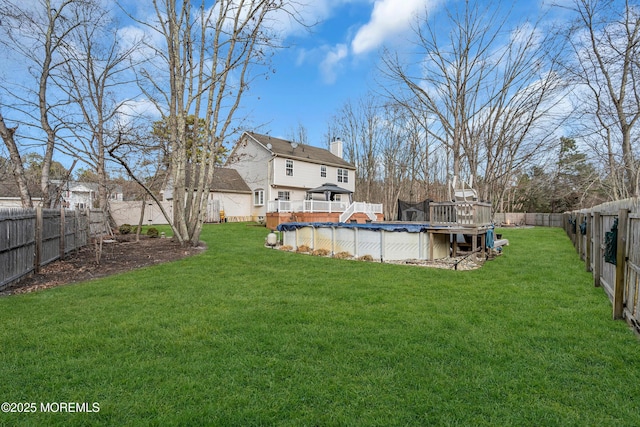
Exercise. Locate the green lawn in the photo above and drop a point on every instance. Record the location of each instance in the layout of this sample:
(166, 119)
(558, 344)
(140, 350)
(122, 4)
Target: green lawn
(242, 335)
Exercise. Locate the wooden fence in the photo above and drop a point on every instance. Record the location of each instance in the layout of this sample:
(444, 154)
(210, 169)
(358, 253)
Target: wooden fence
(607, 237)
(32, 238)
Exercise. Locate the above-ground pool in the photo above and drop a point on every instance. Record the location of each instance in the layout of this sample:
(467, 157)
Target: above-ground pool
(383, 241)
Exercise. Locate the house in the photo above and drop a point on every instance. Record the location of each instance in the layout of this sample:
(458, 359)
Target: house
(229, 197)
(272, 179)
(10, 192)
(287, 178)
(72, 195)
(83, 195)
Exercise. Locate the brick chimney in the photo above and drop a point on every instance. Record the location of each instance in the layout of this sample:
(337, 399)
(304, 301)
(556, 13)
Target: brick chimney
(336, 147)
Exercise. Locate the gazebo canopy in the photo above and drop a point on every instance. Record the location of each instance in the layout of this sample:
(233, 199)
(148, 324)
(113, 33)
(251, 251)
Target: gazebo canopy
(329, 190)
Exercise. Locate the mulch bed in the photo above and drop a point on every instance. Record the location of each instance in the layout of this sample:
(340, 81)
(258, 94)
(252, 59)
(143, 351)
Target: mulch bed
(122, 254)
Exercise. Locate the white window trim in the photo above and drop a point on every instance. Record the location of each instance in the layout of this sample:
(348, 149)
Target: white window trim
(258, 195)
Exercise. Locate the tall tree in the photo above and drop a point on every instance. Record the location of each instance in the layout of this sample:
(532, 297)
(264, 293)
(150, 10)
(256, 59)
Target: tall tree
(208, 55)
(97, 76)
(574, 180)
(36, 32)
(487, 89)
(17, 168)
(359, 124)
(605, 47)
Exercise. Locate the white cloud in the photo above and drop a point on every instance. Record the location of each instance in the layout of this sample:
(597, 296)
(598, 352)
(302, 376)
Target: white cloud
(331, 63)
(133, 109)
(389, 18)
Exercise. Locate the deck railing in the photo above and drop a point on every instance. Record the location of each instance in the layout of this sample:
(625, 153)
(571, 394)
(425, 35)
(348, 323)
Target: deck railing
(324, 206)
(460, 214)
(370, 209)
(306, 206)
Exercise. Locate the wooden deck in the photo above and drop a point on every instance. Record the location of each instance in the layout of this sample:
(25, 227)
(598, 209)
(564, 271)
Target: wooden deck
(469, 219)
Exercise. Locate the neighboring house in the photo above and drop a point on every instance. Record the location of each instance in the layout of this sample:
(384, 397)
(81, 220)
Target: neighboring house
(10, 194)
(82, 195)
(73, 195)
(279, 170)
(229, 196)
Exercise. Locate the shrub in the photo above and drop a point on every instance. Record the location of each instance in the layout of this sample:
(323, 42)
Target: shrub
(285, 248)
(125, 229)
(153, 232)
(320, 252)
(342, 255)
(366, 258)
(303, 248)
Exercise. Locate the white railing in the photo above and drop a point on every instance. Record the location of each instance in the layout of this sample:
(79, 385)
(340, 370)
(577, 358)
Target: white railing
(370, 209)
(306, 206)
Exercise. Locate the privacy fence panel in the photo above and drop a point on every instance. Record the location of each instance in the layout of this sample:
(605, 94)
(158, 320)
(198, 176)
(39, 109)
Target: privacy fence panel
(537, 219)
(17, 243)
(31, 238)
(607, 269)
(607, 237)
(50, 236)
(631, 302)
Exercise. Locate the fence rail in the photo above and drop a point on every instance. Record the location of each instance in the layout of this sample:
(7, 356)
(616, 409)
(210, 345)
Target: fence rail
(32, 238)
(607, 238)
(465, 214)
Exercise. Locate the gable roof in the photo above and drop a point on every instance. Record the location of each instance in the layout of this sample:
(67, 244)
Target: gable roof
(307, 153)
(9, 188)
(224, 180)
(228, 181)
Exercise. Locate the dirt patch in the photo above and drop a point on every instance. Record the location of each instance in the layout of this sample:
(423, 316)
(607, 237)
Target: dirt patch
(122, 254)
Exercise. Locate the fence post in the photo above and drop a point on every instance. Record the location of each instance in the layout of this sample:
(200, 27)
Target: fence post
(578, 242)
(618, 293)
(62, 232)
(36, 258)
(597, 248)
(589, 243)
(76, 229)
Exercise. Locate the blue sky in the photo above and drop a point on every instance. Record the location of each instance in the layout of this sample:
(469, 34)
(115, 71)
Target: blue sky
(337, 60)
(334, 61)
(331, 63)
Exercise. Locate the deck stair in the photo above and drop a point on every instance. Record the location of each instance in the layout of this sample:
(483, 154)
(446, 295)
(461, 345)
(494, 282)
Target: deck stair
(358, 207)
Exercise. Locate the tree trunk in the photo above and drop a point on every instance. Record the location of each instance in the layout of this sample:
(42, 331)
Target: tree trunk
(16, 163)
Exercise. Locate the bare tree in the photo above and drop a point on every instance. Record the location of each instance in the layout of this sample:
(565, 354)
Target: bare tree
(17, 168)
(487, 91)
(360, 124)
(98, 82)
(207, 61)
(299, 134)
(605, 48)
(36, 32)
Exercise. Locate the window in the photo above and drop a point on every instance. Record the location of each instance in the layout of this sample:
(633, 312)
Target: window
(343, 176)
(258, 197)
(283, 195)
(289, 167)
(323, 171)
(337, 198)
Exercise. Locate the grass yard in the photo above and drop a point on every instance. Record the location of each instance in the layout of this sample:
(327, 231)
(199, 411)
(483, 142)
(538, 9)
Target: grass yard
(242, 335)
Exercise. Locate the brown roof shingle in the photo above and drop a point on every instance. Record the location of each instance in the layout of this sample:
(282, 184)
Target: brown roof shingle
(228, 181)
(308, 153)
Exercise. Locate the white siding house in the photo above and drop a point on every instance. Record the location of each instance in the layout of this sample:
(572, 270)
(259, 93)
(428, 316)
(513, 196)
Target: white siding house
(229, 197)
(83, 195)
(277, 169)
